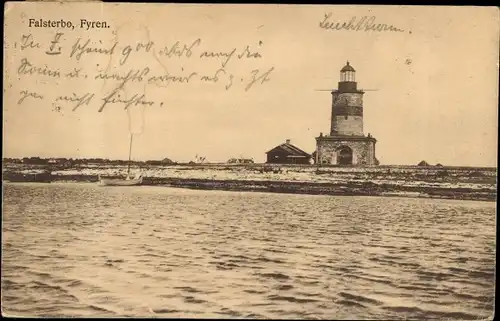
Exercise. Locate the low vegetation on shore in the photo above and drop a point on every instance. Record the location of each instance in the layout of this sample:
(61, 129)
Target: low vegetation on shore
(416, 181)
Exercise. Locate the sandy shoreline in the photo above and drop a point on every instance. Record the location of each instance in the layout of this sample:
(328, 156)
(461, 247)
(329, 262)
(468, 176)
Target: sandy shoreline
(405, 181)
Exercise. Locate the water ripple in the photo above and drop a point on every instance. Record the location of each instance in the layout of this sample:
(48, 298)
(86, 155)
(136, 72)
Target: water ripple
(80, 250)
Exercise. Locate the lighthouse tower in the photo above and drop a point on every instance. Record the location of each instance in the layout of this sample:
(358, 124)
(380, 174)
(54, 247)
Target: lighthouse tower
(346, 144)
(347, 105)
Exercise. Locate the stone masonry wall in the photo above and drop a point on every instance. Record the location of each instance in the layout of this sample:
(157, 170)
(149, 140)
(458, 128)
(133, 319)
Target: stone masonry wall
(347, 113)
(350, 125)
(363, 151)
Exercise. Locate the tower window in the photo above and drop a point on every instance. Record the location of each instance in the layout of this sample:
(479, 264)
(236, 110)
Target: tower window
(346, 117)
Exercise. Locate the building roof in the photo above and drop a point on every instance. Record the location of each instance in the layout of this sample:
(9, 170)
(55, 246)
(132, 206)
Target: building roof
(290, 149)
(347, 67)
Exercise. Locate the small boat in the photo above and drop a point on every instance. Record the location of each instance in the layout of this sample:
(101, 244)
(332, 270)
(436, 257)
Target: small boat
(120, 182)
(123, 182)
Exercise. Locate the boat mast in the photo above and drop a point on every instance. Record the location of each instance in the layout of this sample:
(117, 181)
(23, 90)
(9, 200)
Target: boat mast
(129, 154)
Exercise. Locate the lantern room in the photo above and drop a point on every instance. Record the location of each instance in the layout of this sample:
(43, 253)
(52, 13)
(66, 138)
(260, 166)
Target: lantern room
(347, 73)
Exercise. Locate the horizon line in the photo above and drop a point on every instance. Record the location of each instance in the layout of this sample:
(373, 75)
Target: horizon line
(255, 163)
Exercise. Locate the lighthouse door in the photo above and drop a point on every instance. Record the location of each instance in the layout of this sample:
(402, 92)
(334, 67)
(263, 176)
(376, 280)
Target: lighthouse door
(344, 156)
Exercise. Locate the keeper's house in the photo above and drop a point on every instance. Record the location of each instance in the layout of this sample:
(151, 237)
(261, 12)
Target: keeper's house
(287, 154)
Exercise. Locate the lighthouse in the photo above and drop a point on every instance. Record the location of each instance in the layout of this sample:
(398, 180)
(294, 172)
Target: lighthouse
(346, 144)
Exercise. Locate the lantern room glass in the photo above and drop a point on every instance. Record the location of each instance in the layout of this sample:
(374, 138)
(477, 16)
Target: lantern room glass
(349, 76)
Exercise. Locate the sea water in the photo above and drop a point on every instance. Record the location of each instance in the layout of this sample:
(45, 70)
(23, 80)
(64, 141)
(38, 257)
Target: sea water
(77, 249)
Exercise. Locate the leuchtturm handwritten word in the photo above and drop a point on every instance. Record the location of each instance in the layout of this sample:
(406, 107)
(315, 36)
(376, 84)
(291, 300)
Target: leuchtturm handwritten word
(66, 24)
(364, 23)
(171, 66)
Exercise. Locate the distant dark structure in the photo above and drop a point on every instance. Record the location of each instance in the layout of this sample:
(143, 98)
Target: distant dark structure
(314, 155)
(240, 161)
(346, 144)
(165, 161)
(35, 161)
(423, 163)
(287, 154)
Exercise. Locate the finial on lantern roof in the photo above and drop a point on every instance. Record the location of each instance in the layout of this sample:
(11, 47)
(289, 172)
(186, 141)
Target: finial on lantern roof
(347, 67)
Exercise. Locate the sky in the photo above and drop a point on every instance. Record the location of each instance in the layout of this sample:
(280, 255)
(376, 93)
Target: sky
(436, 82)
